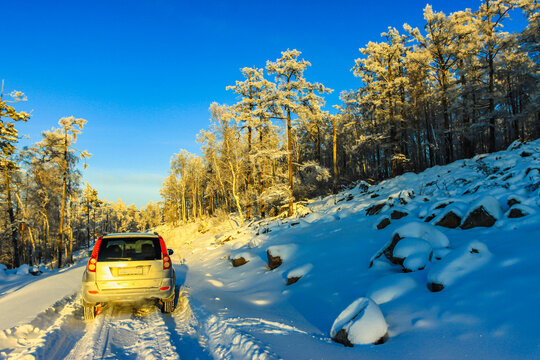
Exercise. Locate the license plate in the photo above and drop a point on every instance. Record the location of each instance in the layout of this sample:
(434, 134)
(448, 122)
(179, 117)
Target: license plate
(130, 271)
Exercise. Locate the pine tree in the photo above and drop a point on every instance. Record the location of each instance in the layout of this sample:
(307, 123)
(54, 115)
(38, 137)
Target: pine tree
(8, 139)
(294, 96)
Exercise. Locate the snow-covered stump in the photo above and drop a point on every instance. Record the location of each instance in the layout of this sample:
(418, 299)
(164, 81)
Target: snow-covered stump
(458, 263)
(484, 213)
(362, 322)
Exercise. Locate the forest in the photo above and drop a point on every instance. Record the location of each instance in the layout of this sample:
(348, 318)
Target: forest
(457, 87)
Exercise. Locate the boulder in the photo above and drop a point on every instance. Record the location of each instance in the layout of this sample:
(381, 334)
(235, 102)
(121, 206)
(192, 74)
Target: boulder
(478, 218)
(442, 205)
(362, 322)
(483, 214)
(273, 261)
(375, 209)
(412, 253)
(239, 261)
(383, 223)
(450, 220)
(457, 264)
(513, 200)
(421, 233)
(396, 214)
(293, 279)
(278, 253)
(519, 210)
(515, 213)
(297, 273)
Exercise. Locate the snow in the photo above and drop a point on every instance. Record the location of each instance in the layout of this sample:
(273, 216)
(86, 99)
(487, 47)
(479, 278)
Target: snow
(490, 204)
(20, 305)
(391, 287)
(423, 231)
(283, 251)
(486, 308)
(410, 246)
(459, 262)
(299, 271)
(362, 320)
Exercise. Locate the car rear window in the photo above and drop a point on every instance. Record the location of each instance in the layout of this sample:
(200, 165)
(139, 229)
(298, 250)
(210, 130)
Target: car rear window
(129, 249)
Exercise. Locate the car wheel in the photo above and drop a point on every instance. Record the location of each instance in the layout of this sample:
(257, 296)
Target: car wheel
(89, 311)
(168, 305)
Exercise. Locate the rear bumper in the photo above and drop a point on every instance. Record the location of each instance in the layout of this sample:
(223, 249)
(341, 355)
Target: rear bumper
(126, 295)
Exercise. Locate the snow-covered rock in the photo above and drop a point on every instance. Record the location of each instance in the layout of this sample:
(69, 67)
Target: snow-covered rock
(519, 210)
(23, 270)
(383, 222)
(484, 213)
(410, 246)
(424, 236)
(240, 258)
(278, 253)
(423, 231)
(390, 287)
(362, 322)
(397, 214)
(293, 275)
(458, 263)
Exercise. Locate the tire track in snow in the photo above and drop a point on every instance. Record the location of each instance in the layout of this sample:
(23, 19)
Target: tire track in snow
(126, 332)
(226, 339)
(183, 325)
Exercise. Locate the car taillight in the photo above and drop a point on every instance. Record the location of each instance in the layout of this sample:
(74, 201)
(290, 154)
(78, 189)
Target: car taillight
(92, 263)
(166, 258)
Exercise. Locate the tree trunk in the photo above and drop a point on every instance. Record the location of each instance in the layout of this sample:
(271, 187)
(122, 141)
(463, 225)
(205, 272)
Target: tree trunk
(63, 208)
(16, 261)
(334, 155)
(290, 161)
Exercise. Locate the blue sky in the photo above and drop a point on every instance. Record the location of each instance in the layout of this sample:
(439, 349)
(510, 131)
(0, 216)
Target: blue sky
(143, 73)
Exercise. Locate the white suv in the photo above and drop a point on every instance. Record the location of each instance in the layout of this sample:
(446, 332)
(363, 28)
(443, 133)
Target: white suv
(127, 268)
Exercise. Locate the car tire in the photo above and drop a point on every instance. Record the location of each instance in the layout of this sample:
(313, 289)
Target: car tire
(89, 311)
(168, 305)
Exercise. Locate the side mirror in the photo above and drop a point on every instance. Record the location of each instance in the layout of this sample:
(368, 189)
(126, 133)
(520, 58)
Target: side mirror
(170, 251)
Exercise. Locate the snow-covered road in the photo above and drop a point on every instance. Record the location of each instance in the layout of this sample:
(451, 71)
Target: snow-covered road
(57, 330)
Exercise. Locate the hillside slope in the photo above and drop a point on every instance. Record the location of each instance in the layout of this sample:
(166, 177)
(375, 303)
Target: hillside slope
(465, 289)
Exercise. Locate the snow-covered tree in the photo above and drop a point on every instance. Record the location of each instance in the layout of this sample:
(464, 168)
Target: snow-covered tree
(295, 96)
